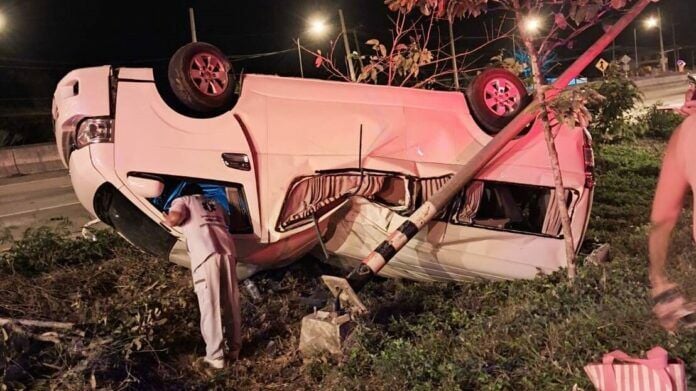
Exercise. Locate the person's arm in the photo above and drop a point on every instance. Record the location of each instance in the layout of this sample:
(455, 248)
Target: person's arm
(667, 206)
(689, 107)
(177, 213)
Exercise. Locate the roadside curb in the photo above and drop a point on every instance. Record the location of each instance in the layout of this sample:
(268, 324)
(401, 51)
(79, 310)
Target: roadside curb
(657, 81)
(29, 159)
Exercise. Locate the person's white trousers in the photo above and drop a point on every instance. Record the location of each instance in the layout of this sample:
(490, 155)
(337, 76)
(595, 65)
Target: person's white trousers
(215, 284)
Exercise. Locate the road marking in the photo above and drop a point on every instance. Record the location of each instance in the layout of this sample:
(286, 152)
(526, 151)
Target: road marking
(40, 209)
(54, 179)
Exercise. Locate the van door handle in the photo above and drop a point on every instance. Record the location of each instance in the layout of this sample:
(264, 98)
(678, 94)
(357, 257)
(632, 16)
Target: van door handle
(237, 161)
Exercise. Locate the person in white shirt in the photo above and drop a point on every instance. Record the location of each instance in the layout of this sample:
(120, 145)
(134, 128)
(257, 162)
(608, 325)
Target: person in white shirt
(211, 249)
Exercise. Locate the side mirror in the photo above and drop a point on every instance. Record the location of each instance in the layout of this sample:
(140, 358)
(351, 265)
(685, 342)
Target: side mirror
(145, 187)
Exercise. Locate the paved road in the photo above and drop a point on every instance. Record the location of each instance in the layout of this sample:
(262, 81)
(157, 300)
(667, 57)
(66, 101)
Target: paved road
(667, 95)
(37, 200)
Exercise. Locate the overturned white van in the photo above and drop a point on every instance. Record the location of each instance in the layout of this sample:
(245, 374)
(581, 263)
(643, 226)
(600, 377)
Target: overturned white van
(297, 162)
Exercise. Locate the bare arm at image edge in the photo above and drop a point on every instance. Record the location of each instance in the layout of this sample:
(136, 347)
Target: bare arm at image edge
(178, 213)
(667, 205)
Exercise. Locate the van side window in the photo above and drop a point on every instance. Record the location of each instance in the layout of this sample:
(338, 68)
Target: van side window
(316, 195)
(229, 195)
(510, 207)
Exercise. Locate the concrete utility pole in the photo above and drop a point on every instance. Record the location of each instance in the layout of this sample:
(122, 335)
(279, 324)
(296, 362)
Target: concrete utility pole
(663, 58)
(347, 45)
(192, 23)
(357, 49)
(613, 51)
(635, 48)
(454, 57)
(299, 57)
(674, 46)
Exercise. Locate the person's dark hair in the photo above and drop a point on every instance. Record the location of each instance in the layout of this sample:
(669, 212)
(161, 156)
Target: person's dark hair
(191, 189)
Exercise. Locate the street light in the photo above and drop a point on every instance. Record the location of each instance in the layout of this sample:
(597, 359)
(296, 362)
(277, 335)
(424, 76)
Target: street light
(651, 23)
(532, 24)
(3, 21)
(317, 27)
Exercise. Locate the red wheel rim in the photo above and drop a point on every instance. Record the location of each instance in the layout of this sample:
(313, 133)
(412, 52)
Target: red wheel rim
(501, 97)
(208, 73)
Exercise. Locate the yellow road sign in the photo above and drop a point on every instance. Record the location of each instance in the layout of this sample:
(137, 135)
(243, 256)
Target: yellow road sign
(602, 65)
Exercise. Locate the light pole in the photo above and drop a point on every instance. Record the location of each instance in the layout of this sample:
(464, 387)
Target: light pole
(674, 43)
(192, 24)
(635, 48)
(3, 21)
(657, 22)
(454, 57)
(317, 27)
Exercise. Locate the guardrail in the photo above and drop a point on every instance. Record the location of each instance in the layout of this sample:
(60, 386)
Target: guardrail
(29, 159)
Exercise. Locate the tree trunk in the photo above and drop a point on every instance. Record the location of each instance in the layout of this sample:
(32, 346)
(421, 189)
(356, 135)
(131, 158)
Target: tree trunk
(561, 201)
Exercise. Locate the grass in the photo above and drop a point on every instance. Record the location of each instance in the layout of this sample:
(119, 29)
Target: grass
(140, 319)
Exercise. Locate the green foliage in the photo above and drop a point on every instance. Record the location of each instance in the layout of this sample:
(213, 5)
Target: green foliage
(43, 249)
(612, 118)
(660, 123)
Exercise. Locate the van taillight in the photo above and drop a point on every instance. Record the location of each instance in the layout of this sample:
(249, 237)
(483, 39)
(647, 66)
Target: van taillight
(588, 155)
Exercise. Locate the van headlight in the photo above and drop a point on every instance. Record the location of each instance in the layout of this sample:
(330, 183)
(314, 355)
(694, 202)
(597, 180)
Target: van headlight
(94, 130)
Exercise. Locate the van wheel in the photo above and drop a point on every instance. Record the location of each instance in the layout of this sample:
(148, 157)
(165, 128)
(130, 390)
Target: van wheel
(202, 77)
(496, 96)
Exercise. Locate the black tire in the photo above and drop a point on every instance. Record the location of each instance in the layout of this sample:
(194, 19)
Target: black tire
(202, 77)
(493, 111)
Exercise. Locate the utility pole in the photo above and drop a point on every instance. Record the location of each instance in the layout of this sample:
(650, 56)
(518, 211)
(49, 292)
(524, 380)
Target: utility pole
(299, 57)
(357, 48)
(635, 48)
(192, 24)
(454, 57)
(613, 51)
(674, 45)
(347, 45)
(663, 59)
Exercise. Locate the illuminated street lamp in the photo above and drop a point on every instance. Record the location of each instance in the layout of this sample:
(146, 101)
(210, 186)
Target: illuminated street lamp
(651, 23)
(532, 24)
(3, 21)
(317, 27)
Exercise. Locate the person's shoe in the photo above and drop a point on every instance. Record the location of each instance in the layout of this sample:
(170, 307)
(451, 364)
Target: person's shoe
(217, 363)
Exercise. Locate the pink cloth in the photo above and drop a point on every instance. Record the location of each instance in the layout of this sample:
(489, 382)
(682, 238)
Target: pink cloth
(677, 175)
(204, 226)
(620, 372)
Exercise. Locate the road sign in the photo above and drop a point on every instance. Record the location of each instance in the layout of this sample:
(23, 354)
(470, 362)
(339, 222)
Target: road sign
(625, 59)
(602, 65)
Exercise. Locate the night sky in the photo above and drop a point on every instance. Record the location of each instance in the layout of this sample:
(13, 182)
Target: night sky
(44, 39)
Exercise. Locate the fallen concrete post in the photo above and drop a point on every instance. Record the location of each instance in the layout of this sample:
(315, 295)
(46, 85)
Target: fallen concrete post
(324, 332)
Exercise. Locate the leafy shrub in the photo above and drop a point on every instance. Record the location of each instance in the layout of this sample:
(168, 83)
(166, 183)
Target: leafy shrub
(612, 121)
(43, 249)
(660, 123)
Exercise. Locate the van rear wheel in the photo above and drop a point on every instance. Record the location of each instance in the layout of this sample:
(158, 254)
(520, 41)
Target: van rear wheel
(202, 77)
(495, 97)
